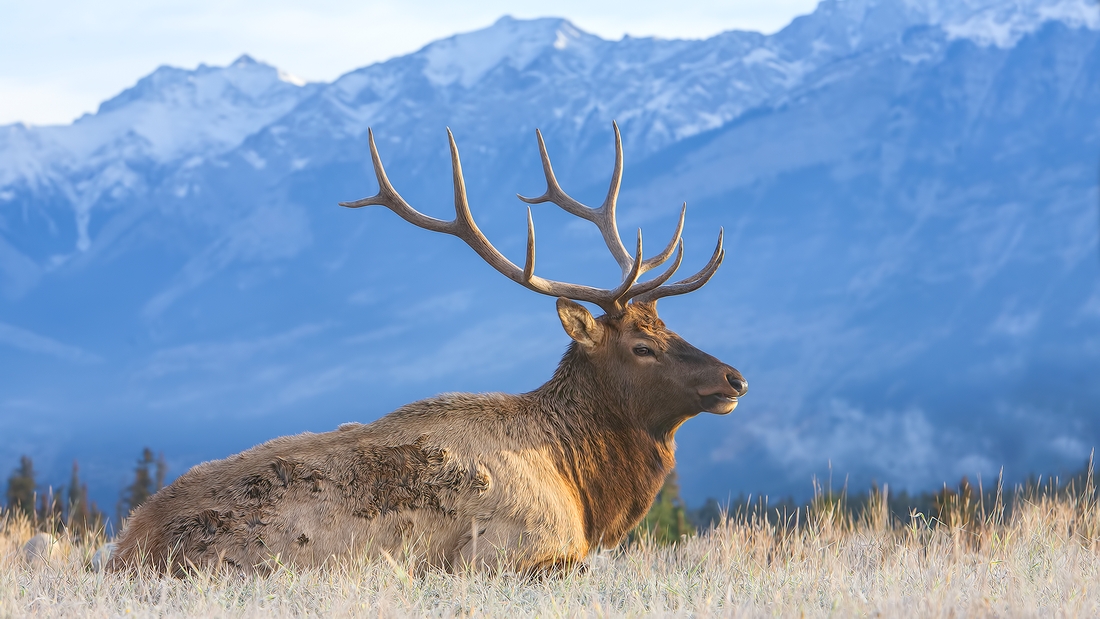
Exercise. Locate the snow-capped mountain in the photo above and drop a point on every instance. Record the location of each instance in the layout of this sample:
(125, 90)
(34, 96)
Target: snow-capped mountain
(171, 117)
(908, 190)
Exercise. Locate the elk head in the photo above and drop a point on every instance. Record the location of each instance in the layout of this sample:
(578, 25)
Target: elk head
(628, 350)
(647, 366)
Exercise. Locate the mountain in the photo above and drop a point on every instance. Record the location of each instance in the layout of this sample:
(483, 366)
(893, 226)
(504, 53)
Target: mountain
(908, 189)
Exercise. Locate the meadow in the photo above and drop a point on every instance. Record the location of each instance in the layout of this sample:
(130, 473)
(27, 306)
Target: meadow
(1039, 557)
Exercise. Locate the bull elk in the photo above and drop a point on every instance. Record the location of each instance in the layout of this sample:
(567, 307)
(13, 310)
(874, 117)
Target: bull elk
(527, 482)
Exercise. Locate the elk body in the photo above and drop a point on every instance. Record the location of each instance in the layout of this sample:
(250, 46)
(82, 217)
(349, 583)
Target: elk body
(524, 482)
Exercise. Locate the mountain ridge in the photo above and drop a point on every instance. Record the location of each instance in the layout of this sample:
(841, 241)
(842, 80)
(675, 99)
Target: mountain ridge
(910, 223)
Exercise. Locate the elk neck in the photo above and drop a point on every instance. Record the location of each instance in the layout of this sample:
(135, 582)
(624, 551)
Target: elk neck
(606, 447)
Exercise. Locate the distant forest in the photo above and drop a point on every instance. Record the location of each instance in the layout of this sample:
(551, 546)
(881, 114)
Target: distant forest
(67, 508)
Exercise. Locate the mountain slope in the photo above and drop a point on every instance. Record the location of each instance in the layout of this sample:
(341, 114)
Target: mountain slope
(908, 189)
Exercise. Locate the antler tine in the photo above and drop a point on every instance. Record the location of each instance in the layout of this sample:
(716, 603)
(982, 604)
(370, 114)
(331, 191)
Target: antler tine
(621, 293)
(554, 192)
(608, 225)
(466, 229)
(645, 287)
(385, 189)
(462, 203)
(660, 258)
(388, 197)
(529, 263)
(689, 284)
(603, 216)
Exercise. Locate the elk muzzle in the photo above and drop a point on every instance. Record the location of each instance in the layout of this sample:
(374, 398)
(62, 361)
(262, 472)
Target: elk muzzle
(721, 400)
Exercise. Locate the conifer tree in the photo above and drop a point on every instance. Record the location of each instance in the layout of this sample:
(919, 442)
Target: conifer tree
(96, 518)
(162, 470)
(50, 511)
(666, 522)
(20, 494)
(143, 486)
(76, 500)
(81, 516)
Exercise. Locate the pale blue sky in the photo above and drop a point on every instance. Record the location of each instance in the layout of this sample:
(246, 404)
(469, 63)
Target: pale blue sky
(61, 58)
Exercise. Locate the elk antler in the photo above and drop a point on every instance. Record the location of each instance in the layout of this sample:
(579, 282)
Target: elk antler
(612, 301)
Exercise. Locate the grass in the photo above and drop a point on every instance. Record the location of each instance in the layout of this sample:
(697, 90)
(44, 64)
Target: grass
(1041, 558)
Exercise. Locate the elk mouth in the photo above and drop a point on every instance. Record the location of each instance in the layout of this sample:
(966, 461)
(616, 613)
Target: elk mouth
(719, 403)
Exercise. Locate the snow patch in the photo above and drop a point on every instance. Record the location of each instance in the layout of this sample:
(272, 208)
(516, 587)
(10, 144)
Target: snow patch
(562, 41)
(987, 30)
(290, 78)
(1003, 25)
(465, 58)
(254, 159)
(758, 56)
(1075, 13)
(116, 180)
(83, 240)
(703, 122)
(762, 56)
(170, 114)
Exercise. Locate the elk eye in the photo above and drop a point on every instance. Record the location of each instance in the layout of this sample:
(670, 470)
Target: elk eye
(643, 351)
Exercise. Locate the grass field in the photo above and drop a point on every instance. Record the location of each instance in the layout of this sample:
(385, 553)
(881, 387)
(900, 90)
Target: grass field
(1040, 559)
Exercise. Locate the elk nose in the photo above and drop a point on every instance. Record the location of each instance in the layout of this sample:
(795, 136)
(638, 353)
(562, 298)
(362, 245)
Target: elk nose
(739, 384)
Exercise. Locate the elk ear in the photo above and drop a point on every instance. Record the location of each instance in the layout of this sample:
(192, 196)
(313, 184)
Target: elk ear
(579, 324)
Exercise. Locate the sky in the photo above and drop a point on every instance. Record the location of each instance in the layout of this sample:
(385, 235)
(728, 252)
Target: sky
(60, 59)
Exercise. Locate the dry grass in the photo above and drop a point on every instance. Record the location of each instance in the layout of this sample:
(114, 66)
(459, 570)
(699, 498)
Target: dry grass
(1043, 560)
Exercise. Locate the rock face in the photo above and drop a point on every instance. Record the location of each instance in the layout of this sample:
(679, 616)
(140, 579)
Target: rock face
(101, 556)
(908, 190)
(40, 549)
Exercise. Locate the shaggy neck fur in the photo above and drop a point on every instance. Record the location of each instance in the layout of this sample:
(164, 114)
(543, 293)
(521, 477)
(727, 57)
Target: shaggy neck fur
(615, 461)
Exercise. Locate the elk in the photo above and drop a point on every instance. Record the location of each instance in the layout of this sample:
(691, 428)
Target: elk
(531, 482)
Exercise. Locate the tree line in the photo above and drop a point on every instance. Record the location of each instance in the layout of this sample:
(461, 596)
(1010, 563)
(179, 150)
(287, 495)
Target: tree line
(963, 505)
(669, 519)
(67, 507)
